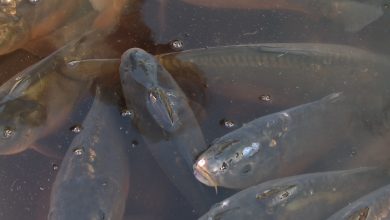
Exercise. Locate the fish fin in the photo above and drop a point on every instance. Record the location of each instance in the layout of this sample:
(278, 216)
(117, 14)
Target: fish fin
(334, 97)
(90, 68)
(356, 15)
(48, 151)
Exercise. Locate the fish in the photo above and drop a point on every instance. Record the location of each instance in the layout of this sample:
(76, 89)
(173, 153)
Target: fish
(37, 100)
(92, 181)
(289, 67)
(273, 146)
(22, 21)
(374, 205)
(164, 99)
(27, 24)
(317, 195)
(174, 149)
(353, 15)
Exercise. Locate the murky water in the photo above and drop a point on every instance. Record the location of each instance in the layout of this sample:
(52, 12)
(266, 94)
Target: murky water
(160, 26)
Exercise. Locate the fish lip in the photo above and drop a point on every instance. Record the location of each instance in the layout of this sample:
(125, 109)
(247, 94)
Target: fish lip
(198, 175)
(202, 175)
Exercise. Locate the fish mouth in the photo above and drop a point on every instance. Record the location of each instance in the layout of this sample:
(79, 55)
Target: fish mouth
(203, 175)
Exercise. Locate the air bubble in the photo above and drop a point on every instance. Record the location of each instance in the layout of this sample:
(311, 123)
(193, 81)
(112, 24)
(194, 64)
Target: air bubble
(177, 44)
(8, 132)
(227, 123)
(134, 143)
(265, 98)
(78, 151)
(127, 113)
(76, 129)
(33, 1)
(55, 167)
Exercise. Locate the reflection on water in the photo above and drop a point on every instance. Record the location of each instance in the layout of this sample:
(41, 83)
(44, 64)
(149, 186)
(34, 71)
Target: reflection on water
(222, 97)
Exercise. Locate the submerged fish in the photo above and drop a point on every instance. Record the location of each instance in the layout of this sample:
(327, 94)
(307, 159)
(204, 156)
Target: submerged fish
(164, 99)
(173, 149)
(317, 195)
(22, 22)
(274, 145)
(93, 177)
(373, 206)
(354, 15)
(291, 69)
(37, 100)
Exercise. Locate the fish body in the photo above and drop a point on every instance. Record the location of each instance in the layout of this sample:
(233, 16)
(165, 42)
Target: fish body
(37, 100)
(26, 24)
(284, 71)
(173, 149)
(317, 195)
(274, 145)
(164, 99)
(374, 205)
(354, 15)
(92, 182)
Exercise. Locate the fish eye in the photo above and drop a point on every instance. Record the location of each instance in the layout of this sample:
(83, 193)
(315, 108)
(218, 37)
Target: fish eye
(224, 166)
(246, 169)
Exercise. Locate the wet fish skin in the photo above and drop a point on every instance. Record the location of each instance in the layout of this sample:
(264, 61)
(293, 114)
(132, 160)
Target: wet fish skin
(164, 99)
(37, 100)
(353, 15)
(92, 182)
(174, 150)
(316, 195)
(294, 66)
(373, 206)
(273, 145)
(23, 20)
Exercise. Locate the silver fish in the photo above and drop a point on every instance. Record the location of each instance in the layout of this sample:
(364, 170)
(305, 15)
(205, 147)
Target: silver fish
(92, 182)
(274, 145)
(373, 206)
(285, 72)
(174, 149)
(316, 195)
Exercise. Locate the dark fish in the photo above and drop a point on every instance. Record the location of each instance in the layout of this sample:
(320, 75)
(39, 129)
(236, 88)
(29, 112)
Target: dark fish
(274, 145)
(373, 206)
(173, 149)
(313, 196)
(354, 15)
(92, 182)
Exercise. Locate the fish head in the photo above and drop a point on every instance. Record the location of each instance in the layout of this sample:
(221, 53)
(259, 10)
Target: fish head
(226, 162)
(140, 66)
(14, 30)
(20, 121)
(163, 105)
(241, 158)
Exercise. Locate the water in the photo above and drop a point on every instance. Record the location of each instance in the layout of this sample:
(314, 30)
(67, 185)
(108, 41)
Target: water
(165, 26)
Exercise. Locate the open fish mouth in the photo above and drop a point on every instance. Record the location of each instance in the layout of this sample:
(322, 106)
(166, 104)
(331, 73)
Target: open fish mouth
(201, 174)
